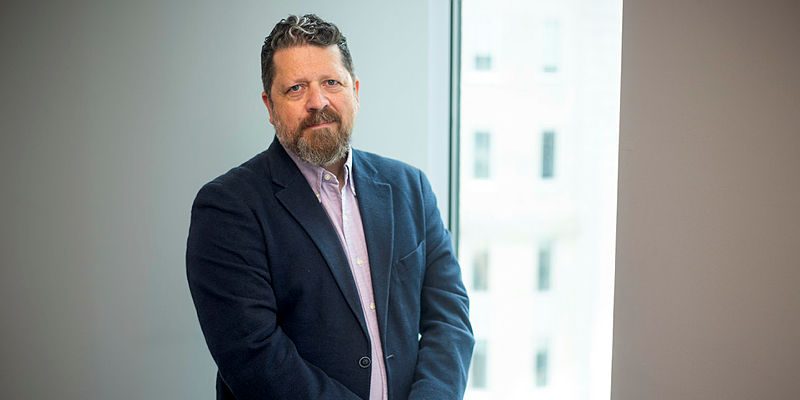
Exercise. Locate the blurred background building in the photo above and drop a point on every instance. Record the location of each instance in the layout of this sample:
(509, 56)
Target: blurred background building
(538, 170)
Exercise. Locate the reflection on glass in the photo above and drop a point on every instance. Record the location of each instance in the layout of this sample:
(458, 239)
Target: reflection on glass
(537, 194)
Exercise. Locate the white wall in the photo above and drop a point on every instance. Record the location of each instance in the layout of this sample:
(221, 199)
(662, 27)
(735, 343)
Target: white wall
(113, 116)
(708, 271)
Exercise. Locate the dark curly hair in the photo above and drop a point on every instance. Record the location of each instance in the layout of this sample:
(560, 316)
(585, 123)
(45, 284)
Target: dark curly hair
(297, 31)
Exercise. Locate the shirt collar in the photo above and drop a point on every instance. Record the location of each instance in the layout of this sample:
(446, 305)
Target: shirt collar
(315, 174)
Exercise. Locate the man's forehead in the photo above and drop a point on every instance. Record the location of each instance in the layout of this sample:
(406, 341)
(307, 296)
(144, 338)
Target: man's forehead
(302, 58)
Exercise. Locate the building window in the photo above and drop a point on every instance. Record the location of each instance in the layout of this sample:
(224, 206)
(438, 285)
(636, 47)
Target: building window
(482, 149)
(544, 268)
(551, 46)
(483, 62)
(542, 367)
(548, 154)
(480, 270)
(479, 368)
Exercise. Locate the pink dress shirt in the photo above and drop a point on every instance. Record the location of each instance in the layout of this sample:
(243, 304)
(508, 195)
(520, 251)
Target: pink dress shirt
(342, 209)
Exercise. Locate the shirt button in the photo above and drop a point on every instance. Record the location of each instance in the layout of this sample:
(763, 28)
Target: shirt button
(326, 177)
(371, 306)
(364, 362)
(359, 261)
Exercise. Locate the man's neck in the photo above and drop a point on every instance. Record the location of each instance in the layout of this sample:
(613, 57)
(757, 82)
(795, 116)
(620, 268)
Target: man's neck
(337, 168)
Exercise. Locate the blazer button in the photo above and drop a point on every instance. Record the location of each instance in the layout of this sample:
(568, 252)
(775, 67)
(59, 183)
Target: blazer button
(364, 362)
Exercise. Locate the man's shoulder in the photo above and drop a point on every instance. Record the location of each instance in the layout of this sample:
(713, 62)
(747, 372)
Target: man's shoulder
(242, 181)
(385, 167)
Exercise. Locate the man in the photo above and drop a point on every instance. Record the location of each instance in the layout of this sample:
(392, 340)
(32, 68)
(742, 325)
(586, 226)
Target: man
(319, 271)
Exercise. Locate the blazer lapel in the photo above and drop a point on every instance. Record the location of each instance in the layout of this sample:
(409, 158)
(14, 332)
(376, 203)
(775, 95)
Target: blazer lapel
(298, 198)
(375, 204)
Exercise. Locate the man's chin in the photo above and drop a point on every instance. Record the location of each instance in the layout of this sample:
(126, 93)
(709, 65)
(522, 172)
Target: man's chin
(322, 157)
(318, 161)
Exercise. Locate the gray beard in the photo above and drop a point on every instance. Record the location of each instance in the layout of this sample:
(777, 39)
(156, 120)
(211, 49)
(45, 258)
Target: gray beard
(322, 148)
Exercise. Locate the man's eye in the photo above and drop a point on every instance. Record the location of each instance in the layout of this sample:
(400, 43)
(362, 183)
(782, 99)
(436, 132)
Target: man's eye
(295, 88)
(331, 82)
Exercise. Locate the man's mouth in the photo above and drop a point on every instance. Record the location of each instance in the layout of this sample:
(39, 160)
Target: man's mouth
(319, 125)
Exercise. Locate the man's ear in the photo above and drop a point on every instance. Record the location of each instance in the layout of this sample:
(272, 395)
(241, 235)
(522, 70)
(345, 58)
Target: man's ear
(356, 86)
(268, 104)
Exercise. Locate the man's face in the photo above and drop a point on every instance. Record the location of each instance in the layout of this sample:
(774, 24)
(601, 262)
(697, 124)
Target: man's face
(312, 103)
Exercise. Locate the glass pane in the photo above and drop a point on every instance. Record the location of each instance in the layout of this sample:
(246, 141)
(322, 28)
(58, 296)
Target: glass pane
(537, 194)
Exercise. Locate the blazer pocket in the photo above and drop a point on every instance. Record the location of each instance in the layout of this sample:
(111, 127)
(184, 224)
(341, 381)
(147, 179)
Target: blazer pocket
(411, 264)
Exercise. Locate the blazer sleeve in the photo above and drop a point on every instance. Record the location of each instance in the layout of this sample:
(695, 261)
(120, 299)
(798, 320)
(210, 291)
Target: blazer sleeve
(230, 284)
(446, 342)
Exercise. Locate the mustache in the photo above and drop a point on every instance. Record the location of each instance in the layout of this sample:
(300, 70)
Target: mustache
(320, 117)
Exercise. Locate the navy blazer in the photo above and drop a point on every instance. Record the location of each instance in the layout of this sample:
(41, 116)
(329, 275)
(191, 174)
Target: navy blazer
(277, 302)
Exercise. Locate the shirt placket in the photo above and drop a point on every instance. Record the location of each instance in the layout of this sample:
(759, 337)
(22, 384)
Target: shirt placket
(361, 271)
(345, 206)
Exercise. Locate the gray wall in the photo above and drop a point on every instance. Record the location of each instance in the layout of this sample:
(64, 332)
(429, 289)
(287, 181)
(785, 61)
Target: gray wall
(708, 271)
(113, 115)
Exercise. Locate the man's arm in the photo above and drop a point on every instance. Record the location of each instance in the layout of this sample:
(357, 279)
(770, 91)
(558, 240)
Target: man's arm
(230, 283)
(446, 343)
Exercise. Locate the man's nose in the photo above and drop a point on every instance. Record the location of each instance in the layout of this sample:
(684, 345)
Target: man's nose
(317, 98)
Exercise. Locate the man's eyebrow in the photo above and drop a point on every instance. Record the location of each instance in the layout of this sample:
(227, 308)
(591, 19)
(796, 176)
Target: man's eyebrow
(291, 82)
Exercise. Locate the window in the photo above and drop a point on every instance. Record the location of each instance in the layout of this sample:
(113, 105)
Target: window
(537, 161)
(542, 367)
(550, 46)
(548, 154)
(483, 62)
(480, 271)
(482, 148)
(479, 370)
(544, 268)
